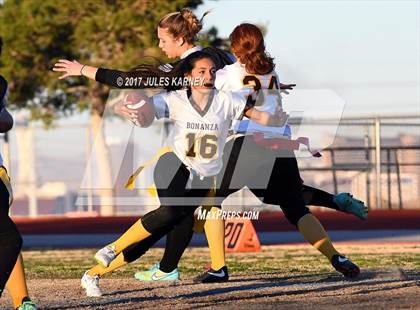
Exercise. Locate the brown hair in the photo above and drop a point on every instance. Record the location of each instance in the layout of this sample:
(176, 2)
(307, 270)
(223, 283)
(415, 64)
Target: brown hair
(183, 24)
(247, 42)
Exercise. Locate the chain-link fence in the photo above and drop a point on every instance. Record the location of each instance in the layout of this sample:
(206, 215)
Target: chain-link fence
(377, 160)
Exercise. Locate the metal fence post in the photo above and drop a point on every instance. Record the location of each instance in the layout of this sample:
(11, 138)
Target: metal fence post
(397, 167)
(334, 171)
(89, 170)
(378, 162)
(368, 157)
(388, 170)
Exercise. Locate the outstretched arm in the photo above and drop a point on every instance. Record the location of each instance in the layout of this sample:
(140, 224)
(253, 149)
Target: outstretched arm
(287, 86)
(74, 68)
(114, 78)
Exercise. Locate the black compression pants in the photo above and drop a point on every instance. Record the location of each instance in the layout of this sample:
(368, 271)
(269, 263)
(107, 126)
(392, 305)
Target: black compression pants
(10, 239)
(283, 186)
(171, 177)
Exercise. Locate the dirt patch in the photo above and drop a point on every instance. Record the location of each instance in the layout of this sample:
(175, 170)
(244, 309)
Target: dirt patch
(374, 289)
(286, 277)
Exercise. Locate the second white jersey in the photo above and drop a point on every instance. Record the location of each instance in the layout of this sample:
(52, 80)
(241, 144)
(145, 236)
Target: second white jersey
(198, 137)
(235, 78)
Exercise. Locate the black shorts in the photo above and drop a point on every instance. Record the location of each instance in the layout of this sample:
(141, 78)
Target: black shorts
(272, 175)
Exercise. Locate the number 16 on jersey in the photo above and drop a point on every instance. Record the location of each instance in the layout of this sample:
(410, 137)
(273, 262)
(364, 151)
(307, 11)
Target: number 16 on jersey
(205, 146)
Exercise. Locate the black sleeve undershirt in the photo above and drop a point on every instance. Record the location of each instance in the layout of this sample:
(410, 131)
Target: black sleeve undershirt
(120, 79)
(133, 79)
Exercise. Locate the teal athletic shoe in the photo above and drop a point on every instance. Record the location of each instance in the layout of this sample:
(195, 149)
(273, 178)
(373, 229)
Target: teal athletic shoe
(27, 305)
(154, 274)
(348, 204)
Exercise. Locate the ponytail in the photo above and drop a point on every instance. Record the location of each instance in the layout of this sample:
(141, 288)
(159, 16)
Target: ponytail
(183, 24)
(247, 43)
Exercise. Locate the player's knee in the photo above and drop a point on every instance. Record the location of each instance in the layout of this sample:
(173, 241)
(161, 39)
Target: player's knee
(133, 253)
(160, 218)
(165, 170)
(295, 214)
(169, 213)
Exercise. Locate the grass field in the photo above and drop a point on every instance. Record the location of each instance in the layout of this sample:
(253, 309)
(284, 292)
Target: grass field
(281, 276)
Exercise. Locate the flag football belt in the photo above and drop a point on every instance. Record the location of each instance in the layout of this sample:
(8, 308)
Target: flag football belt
(131, 180)
(6, 181)
(283, 144)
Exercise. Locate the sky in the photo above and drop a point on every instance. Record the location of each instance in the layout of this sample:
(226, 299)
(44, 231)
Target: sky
(368, 52)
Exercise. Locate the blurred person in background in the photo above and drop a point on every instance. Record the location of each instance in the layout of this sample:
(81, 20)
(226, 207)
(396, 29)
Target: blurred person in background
(12, 273)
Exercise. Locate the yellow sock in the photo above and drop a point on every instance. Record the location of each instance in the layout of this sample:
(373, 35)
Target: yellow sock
(214, 228)
(100, 270)
(134, 234)
(17, 283)
(313, 232)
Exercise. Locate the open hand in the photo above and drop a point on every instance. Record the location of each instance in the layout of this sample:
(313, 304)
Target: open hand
(287, 86)
(284, 88)
(137, 108)
(121, 109)
(70, 68)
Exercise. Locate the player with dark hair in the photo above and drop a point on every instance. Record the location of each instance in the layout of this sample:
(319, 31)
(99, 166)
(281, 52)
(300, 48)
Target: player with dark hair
(201, 116)
(177, 33)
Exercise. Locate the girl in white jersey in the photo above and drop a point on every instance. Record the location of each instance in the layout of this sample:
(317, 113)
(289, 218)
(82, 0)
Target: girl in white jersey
(176, 32)
(201, 117)
(256, 157)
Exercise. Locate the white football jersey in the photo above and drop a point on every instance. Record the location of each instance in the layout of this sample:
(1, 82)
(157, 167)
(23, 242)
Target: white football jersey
(168, 67)
(198, 137)
(234, 78)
